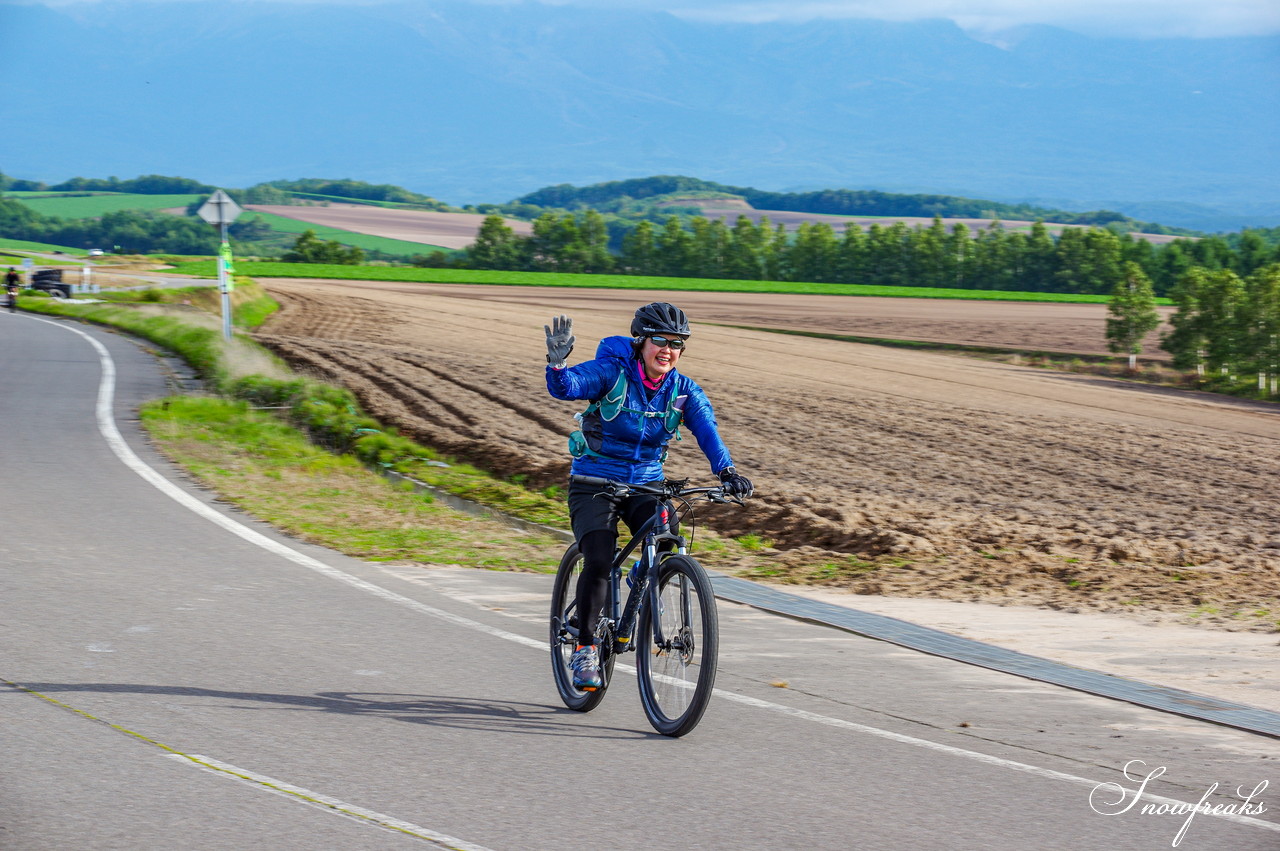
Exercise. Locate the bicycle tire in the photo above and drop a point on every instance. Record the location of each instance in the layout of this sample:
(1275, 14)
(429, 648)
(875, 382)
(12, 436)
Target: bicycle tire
(563, 596)
(676, 681)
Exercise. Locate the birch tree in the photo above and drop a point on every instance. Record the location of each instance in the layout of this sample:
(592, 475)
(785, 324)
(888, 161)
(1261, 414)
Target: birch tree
(1133, 314)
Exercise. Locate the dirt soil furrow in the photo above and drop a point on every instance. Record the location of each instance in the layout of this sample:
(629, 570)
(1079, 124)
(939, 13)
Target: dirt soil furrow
(882, 470)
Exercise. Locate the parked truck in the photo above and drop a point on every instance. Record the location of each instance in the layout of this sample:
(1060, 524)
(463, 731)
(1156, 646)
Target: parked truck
(50, 281)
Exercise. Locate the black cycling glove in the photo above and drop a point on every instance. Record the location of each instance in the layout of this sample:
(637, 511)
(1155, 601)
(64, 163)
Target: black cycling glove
(735, 484)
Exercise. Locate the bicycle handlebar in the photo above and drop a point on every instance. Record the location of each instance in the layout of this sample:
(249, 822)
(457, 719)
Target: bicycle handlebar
(717, 494)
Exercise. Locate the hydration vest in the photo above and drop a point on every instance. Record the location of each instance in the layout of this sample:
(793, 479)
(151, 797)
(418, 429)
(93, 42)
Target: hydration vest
(613, 403)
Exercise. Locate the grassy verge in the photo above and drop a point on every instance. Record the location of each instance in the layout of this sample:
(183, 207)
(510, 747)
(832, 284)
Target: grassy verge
(327, 415)
(627, 282)
(272, 471)
(173, 318)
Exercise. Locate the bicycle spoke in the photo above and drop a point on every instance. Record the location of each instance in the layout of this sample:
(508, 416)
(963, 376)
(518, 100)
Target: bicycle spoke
(678, 671)
(564, 637)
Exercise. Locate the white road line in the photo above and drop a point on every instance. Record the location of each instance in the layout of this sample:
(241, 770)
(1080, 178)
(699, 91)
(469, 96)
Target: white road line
(106, 424)
(324, 802)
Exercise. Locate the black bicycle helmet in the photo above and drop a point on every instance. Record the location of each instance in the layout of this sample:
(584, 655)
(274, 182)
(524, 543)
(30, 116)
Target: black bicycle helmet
(659, 318)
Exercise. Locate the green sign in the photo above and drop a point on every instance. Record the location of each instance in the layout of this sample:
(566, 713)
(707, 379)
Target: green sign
(228, 264)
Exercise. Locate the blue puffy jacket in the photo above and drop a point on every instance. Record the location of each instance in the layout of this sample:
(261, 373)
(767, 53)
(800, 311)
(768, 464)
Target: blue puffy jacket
(633, 444)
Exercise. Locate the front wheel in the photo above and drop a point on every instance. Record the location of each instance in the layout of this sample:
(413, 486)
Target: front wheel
(677, 670)
(563, 642)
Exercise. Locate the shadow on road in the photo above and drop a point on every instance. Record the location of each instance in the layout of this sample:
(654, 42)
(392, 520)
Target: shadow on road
(503, 716)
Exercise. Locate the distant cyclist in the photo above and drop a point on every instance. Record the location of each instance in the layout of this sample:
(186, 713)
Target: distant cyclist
(12, 282)
(638, 400)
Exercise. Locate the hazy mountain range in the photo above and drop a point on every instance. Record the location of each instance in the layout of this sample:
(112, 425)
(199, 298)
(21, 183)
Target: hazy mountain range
(473, 103)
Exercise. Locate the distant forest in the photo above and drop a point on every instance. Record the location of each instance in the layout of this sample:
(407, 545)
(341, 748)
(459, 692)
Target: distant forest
(1081, 260)
(147, 184)
(835, 202)
(133, 231)
(144, 232)
(640, 227)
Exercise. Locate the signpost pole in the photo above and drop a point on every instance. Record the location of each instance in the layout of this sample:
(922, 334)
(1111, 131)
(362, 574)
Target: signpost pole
(224, 284)
(220, 210)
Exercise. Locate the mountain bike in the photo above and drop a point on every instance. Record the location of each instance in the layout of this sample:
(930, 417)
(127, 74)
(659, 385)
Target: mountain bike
(668, 617)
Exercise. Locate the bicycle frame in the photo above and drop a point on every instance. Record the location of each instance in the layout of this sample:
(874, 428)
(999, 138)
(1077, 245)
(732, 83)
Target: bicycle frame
(653, 533)
(656, 531)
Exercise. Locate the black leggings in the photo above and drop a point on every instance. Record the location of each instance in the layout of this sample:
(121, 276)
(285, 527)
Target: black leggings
(593, 584)
(595, 517)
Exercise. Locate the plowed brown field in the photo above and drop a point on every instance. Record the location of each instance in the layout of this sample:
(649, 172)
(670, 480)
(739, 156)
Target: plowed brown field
(451, 230)
(911, 472)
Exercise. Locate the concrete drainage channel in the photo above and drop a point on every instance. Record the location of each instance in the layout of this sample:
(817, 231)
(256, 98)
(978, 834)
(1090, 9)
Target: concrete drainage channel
(931, 641)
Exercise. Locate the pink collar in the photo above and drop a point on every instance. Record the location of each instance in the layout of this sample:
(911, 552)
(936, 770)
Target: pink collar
(652, 385)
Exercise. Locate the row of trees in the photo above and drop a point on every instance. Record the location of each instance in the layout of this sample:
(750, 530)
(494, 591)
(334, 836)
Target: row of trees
(147, 184)
(137, 232)
(309, 248)
(134, 232)
(1228, 326)
(356, 190)
(1080, 260)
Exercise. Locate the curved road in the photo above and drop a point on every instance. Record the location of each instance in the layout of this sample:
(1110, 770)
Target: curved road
(178, 675)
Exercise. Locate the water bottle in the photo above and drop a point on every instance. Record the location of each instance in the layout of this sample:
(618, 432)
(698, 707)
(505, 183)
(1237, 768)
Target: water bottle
(633, 574)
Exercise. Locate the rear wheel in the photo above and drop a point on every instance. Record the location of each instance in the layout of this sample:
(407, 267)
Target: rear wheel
(563, 641)
(677, 673)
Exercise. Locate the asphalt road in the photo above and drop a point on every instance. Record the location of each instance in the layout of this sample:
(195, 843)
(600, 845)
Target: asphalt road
(176, 674)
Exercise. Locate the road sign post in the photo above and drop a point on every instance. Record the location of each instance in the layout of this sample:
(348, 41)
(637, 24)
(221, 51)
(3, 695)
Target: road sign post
(220, 211)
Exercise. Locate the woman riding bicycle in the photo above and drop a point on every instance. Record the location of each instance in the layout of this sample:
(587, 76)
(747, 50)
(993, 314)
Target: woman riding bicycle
(11, 282)
(638, 400)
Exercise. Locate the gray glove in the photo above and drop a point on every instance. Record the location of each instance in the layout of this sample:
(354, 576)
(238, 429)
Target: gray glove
(560, 340)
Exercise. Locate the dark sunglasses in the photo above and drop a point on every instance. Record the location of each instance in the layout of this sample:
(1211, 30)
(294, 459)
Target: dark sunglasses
(663, 342)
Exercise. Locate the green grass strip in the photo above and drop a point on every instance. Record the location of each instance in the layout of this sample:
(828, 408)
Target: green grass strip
(91, 206)
(621, 282)
(48, 248)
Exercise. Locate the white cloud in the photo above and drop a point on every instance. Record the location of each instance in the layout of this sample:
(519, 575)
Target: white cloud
(1143, 18)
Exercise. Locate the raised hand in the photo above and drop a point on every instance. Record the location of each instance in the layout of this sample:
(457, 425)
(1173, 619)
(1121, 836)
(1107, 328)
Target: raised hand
(560, 340)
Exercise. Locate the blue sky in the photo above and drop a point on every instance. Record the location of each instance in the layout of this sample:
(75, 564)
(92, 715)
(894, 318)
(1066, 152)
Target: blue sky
(1143, 18)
